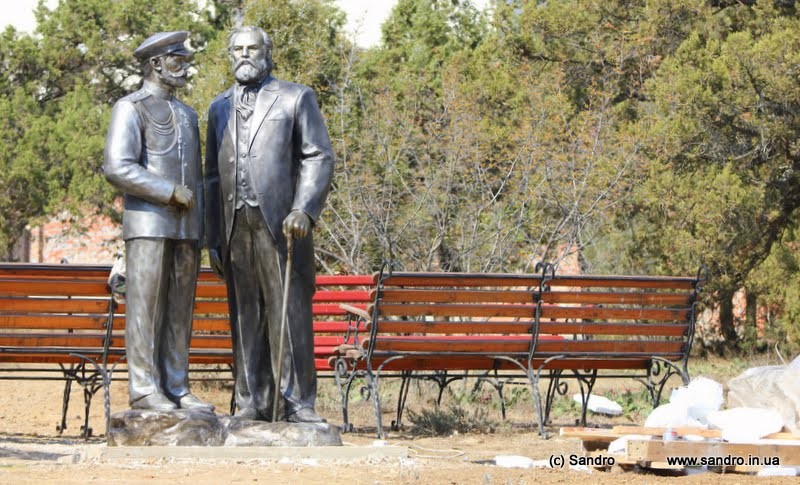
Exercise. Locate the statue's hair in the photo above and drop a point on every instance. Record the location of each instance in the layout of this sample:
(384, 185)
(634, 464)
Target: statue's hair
(251, 28)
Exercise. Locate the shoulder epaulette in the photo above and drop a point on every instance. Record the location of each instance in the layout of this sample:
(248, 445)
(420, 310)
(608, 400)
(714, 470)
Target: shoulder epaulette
(137, 96)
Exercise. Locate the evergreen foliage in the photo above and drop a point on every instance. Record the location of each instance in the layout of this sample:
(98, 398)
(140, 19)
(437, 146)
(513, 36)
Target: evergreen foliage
(650, 136)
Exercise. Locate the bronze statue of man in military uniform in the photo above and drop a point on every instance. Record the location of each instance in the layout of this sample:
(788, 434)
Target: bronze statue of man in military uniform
(152, 155)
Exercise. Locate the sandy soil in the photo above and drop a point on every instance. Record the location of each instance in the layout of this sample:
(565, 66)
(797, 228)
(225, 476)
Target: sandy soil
(32, 450)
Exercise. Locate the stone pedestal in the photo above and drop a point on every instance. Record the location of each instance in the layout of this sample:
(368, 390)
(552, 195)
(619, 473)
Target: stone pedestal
(204, 428)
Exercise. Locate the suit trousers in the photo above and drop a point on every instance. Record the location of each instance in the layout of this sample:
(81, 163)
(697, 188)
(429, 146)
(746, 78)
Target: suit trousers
(255, 272)
(161, 281)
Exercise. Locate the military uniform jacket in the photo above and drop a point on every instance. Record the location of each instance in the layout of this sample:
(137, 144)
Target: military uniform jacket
(289, 154)
(152, 145)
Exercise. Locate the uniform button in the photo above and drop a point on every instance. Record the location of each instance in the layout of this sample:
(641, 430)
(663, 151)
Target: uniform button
(230, 197)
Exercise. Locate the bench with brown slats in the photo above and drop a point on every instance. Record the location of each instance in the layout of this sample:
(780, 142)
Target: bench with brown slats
(528, 324)
(54, 324)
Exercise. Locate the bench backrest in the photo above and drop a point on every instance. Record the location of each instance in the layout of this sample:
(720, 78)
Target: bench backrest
(459, 320)
(624, 317)
(442, 321)
(48, 312)
(55, 309)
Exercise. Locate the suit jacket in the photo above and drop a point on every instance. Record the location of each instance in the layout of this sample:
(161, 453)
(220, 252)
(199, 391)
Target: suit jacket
(290, 158)
(152, 145)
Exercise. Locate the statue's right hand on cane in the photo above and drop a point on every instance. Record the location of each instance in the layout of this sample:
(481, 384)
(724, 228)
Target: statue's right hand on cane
(297, 225)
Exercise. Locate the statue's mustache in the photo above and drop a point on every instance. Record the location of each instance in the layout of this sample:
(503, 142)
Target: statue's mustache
(245, 62)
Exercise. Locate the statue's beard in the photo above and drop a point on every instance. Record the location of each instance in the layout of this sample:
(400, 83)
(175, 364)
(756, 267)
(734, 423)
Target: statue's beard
(248, 71)
(175, 79)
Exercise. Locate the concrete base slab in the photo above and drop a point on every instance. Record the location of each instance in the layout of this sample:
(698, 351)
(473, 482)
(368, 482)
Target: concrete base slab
(270, 453)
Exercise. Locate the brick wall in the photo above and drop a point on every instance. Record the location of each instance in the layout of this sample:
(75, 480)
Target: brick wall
(88, 238)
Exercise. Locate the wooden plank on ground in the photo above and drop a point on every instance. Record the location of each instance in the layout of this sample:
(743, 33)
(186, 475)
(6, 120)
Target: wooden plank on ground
(599, 434)
(653, 451)
(689, 430)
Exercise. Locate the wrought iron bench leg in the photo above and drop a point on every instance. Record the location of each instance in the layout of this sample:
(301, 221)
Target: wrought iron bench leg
(537, 401)
(499, 385)
(372, 383)
(586, 383)
(402, 397)
(65, 406)
(344, 382)
(88, 394)
(554, 387)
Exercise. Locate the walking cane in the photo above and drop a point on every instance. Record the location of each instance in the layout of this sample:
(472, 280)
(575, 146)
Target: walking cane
(284, 312)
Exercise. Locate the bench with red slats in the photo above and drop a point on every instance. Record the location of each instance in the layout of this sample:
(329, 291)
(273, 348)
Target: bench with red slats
(59, 322)
(211, 338)
(528, 324)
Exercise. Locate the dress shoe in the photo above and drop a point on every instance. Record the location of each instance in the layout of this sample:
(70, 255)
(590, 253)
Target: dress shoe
(247, 413)
(190, 401)
(305, 415)
(154, 402)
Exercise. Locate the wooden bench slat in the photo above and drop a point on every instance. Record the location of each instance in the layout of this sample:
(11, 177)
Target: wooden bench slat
(463, 327)
(21, 287)
(48, 356)
(38, 270)
(520, 344)
(597, 313)
(622, 298)
(527, 326)
(472, 295)
(34, 340)
(603, 281)
(60, 323)
(594, 328)
(345, 280)
(351, 296)
(455, 310)
(463, 280)
(649, 347)
(466, 295)
(488, 344)
(335, 326)
(206, 290)
(54, 305)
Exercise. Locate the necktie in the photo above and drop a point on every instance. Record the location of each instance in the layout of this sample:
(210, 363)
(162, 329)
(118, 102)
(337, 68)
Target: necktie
(246, 101)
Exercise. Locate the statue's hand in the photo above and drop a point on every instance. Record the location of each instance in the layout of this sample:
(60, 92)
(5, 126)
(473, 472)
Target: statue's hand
(182, 197)
(215, 257)
(297, 225)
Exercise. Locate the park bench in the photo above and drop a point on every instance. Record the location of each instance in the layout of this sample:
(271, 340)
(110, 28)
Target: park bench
(60, 322)
(533, 326)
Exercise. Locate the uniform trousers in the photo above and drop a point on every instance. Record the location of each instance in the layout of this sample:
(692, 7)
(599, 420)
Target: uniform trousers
(161, 281)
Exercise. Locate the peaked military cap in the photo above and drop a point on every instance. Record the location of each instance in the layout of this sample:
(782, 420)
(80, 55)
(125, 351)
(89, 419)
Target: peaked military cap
(161, 44)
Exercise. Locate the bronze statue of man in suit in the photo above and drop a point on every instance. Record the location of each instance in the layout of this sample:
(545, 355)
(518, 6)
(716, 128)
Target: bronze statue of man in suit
(152, 155)
(269, 166)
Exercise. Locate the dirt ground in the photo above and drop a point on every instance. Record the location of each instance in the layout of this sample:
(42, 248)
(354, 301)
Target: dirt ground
(32, 450)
